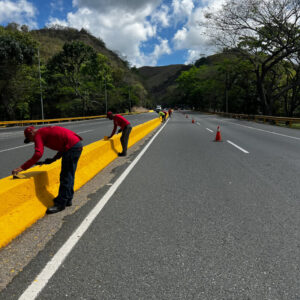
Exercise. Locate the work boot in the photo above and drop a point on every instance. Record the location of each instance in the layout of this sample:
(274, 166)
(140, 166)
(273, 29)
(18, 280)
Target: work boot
(122, 154)
(55, 209)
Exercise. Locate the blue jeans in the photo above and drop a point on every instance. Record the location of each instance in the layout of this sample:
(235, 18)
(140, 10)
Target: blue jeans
(67, 175)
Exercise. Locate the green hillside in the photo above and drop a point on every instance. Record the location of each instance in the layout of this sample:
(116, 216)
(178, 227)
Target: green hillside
(79, 75)
(51, 41)
(159, 80)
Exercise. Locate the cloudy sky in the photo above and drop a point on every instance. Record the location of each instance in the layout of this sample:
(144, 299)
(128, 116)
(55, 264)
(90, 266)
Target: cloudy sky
(145, 32)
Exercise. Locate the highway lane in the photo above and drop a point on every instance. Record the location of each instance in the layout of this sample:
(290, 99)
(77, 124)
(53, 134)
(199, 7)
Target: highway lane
(194, 219)
(274, 151)
(13, 152)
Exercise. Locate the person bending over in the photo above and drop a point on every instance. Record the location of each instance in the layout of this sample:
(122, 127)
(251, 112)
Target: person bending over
(69, 147)
(125, 127)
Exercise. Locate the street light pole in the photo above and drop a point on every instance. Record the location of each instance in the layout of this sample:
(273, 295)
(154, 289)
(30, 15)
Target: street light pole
(105, 94)
(129, 100)
(226, 92)
(41, 92)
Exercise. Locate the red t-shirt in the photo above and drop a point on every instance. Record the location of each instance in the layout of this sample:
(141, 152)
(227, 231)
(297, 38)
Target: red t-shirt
(54, 137)
(119, 121)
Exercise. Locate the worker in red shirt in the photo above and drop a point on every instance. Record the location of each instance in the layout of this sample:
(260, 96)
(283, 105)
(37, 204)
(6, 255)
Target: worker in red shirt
(125, 128)
(170, 112)
(69, 147)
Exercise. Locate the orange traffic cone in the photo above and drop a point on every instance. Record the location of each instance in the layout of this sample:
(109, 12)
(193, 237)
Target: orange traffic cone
(193, 121)
(218, 135)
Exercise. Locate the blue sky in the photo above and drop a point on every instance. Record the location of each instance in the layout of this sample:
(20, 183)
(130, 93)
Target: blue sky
(145, 32)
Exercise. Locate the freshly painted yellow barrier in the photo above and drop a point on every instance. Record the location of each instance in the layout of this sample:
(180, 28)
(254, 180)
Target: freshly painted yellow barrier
(24, 201)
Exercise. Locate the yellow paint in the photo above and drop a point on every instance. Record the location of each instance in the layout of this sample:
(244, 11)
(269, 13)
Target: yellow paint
(24, 201)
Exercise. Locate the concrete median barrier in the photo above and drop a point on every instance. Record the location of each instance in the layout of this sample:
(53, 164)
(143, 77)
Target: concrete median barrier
(24, 201)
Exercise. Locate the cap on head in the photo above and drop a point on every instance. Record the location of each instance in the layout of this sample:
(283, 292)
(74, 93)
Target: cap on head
(109, 114)
(27, 132)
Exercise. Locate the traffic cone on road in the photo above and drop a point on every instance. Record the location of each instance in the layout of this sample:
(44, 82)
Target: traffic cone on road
(193, 121)
(218, 135)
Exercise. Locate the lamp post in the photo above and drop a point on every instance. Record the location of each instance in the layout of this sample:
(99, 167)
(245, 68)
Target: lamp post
(129, 99)
(41, 92)
(226, 92)
(105, 94)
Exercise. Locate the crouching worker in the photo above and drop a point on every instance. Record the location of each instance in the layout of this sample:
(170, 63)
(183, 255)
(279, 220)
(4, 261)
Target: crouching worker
(69, 147)
(162, 115)
(125, 128)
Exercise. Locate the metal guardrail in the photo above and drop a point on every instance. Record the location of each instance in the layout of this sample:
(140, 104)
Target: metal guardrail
(48, 121)
(271, 119)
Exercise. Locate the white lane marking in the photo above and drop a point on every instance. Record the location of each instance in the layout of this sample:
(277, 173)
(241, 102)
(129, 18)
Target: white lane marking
(240, 148)
(198, 123)
(272, 132)
(85, 131)
(52, 266)
(209, 129)
(15, 148)
(31, 144)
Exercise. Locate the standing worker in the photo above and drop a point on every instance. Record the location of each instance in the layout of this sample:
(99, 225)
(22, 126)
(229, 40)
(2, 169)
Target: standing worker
(69, 147)
(125, 128)
(170, 112)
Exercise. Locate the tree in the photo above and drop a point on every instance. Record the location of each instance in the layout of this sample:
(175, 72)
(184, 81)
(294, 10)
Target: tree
(17, 49)
(76, 67)
(265, 32)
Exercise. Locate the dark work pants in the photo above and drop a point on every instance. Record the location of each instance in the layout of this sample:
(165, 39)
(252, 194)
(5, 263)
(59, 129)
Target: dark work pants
(67, 175)
(125, 137)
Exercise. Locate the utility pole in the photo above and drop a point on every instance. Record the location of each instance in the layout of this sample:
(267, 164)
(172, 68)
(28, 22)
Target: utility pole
(41, 92)
(129, 99)
(105, 94)
(226, 92)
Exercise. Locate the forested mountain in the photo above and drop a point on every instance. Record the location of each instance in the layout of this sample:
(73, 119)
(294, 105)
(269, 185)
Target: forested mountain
(77, 76)
(161, 81)
(51, 41)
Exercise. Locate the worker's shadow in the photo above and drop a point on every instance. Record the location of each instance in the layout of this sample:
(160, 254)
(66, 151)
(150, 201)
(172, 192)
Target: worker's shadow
(112, 144)
(41, 184)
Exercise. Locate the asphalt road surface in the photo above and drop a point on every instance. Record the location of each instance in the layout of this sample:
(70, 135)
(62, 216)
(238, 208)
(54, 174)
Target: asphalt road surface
(13, 151)
(191, 219)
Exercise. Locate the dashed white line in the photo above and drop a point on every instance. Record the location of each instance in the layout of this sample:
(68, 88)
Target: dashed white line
(31, 144)
(15, 148)
(209, 129)
(85, 131)
(272, 132)
(238, 147)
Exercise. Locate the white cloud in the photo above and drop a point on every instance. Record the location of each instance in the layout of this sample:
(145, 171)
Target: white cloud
(123, 28)
(21, 12)
(182, 8)
(151, 59)
(57, 5)
(194, 36)
(161, 16)
(57, 22)
(193, 55)
(107, 5)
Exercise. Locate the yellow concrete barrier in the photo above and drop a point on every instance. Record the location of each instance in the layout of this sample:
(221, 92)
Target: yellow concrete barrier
(24, 201)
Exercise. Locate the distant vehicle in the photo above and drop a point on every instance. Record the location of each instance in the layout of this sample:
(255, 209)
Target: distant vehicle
(158, 108)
